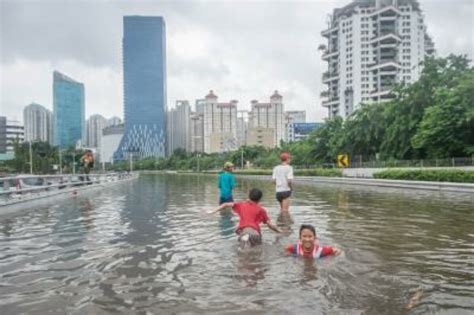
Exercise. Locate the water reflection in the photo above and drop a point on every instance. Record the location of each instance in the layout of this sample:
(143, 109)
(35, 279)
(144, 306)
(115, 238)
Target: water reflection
(251, 266)
(285, 222)
(226, 222)
(310, 271)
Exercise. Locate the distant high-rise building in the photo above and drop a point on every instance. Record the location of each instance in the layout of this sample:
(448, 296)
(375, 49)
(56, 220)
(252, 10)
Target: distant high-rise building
(295, 116)
(109, 142)
(242, 126)
(68, 111)
(372, 45)
(292, 117)
(220, 125)
(299, 131)
(95, 124)
(196, 128)
(200, 105)
(114, 121)
(178, 127)
(264, 119)
(10, 131)
(196, 131)
(38, 123)
(144, 74)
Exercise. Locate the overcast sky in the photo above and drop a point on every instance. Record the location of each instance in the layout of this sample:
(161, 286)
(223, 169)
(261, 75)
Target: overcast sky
(242, 50)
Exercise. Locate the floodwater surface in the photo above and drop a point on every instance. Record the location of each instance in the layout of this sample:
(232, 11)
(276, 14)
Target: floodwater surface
(147, 246)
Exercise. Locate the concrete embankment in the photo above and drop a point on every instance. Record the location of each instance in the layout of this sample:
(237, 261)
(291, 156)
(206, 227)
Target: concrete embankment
(389, 183)
(34, 200)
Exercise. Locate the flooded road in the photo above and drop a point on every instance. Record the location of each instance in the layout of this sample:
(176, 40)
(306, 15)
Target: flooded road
(148, 247)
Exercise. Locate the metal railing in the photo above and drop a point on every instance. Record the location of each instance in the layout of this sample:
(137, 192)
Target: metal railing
(33, 186)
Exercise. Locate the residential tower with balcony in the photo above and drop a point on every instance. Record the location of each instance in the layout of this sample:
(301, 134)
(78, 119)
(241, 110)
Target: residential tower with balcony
(371, 46)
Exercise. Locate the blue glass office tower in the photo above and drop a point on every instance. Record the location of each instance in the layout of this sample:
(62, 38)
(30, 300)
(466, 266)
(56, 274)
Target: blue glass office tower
(144, 79)
(68, 110)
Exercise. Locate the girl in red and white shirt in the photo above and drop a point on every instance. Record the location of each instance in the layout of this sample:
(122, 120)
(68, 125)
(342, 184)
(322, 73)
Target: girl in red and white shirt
(308, 245)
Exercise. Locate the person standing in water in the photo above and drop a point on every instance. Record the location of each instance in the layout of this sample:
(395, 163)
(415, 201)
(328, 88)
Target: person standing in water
(226, 183)
(87, 163)
(251, 215)
(282, 177)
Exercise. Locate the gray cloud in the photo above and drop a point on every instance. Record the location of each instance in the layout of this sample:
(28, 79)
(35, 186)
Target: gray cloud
(243, 50)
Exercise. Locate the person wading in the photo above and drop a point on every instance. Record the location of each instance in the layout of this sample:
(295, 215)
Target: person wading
(282, 177)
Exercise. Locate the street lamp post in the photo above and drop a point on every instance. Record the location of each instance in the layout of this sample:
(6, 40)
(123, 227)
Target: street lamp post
(74, 162)
(199, 157)
(242, 158)
(31, 159)
(60, 162)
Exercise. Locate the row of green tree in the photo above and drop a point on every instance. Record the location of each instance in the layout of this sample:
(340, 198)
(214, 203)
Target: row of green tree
(432, 118)
(45, 159)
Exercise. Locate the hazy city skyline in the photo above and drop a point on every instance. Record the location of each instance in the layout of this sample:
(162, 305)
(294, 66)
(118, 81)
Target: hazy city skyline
(242, 51)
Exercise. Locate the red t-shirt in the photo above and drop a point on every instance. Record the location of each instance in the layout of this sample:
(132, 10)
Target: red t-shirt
(326, 251)
(250, 214)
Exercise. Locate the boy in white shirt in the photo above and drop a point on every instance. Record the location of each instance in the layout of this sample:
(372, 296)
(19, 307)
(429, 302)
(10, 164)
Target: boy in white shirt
(282, 177)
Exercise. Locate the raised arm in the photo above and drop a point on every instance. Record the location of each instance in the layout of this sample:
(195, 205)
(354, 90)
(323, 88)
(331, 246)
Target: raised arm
(222, 206)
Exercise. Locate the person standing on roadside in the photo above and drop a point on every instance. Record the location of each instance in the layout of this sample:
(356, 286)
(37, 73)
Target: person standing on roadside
(226, 183)
(282, 177)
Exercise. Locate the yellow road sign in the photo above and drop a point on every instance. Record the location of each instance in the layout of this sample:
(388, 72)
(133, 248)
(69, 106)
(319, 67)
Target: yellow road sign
(343, 160)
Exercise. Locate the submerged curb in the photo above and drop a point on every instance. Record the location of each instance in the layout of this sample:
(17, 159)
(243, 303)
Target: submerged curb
(389, 183)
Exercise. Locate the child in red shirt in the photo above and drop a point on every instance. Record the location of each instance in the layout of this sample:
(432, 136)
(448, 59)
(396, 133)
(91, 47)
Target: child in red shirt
(251, 215)
(308, 245)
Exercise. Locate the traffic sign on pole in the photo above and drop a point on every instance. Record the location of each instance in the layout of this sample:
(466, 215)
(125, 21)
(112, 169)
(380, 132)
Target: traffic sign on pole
(343, 160)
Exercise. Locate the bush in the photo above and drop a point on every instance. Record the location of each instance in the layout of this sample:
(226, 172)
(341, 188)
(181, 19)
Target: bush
(458, 176)
(329, 172)
(302, 172)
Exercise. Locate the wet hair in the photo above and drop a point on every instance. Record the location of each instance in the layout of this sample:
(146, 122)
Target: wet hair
(284, 156)
(307, 227)
(255, 194)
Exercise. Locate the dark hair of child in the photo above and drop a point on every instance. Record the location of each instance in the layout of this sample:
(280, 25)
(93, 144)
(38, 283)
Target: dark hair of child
(307, 227)
(255, 194)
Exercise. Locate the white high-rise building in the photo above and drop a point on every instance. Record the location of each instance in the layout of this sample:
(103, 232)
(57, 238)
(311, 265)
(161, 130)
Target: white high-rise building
(95, 124)
(372, 45)
(242, 126)
(200, 105)
(109, 143)
(10, 132)
(179, 127)
(220, 125)
(196, 132)
(295, 116)
(267, 117)
(38, 123)
(196, 127)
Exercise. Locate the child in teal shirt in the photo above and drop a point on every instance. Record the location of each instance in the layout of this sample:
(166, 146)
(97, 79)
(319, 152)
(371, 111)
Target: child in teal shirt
(226, 183)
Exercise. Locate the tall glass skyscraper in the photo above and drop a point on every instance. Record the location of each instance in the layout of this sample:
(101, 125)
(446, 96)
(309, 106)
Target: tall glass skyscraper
(68, 110)
(144, 77)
